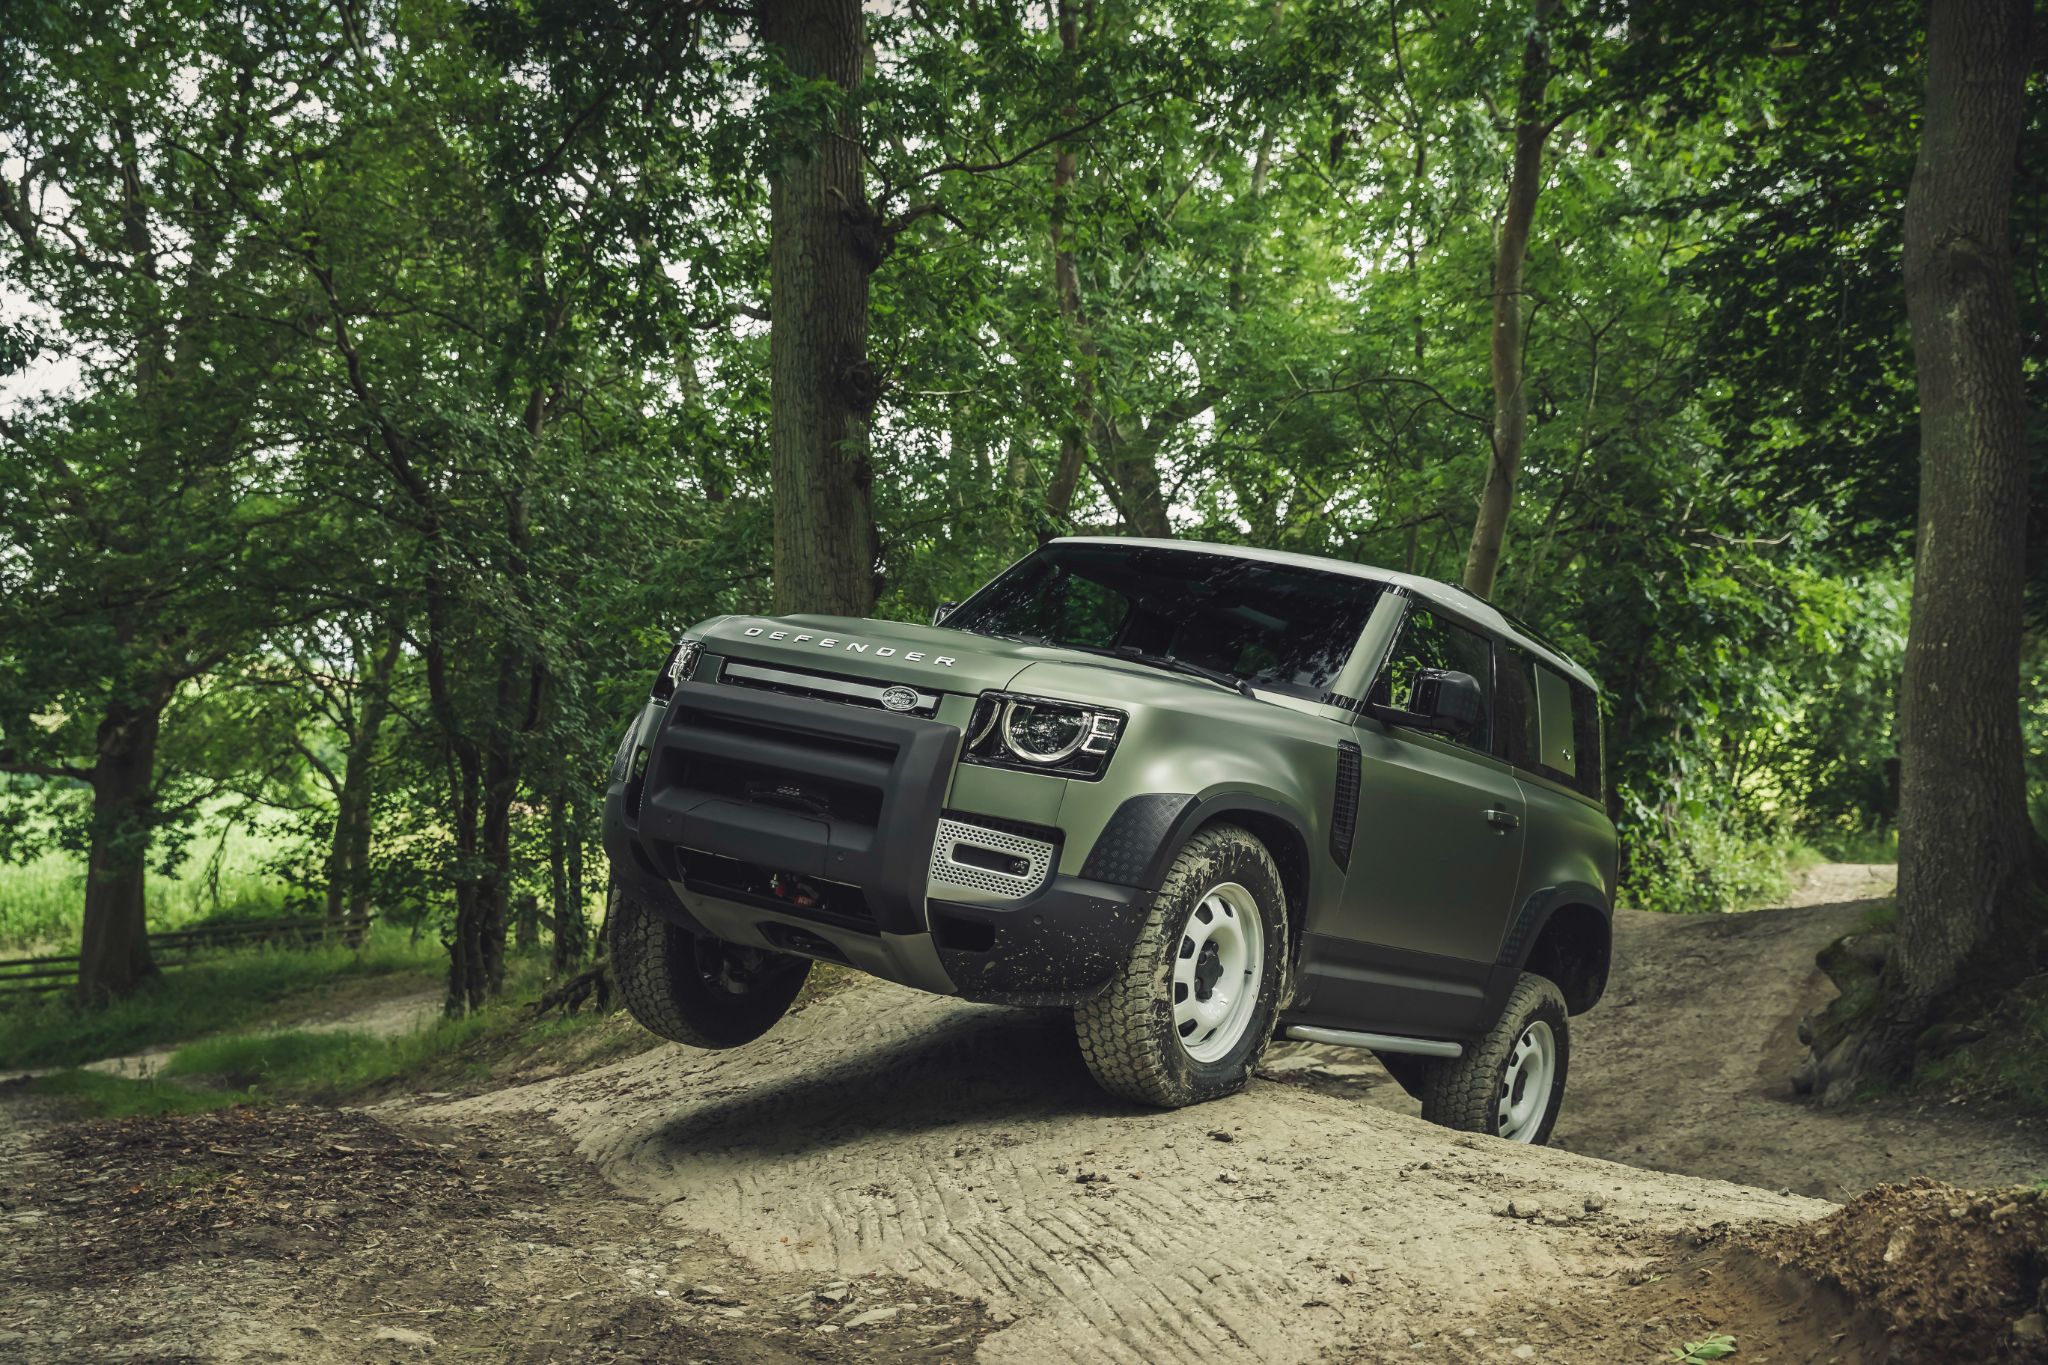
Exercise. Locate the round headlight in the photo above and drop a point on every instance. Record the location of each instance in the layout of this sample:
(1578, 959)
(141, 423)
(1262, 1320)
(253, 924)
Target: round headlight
(1044, 733)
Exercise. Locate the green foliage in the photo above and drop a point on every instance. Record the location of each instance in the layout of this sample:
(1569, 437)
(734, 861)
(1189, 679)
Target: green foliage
(1716, 1347)
(465, 348)
(187, 1002)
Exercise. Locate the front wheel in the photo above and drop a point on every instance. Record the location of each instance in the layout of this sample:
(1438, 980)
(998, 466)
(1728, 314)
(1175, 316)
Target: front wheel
(1512, 1084)
(1188, 1015)
(697, 990)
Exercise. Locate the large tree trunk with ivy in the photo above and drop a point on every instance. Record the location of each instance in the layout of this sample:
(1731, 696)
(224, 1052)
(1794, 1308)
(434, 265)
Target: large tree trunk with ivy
(1967, 853)
(823, 244)
(1511, 253)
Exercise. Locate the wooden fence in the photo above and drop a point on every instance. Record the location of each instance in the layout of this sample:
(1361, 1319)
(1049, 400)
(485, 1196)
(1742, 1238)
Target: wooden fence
(178, 947)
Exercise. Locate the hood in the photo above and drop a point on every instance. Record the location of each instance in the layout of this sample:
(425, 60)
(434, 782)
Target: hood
(942, 660)
(930, 657)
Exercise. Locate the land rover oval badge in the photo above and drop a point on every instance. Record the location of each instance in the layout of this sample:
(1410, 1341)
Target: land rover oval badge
(899, 698)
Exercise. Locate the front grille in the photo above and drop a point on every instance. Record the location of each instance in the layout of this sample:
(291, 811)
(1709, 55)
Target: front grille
(778, 772)
(971, 863)
(804, 682)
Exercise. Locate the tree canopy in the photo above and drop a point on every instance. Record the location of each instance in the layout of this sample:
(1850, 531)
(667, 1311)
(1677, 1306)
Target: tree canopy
(389, 383)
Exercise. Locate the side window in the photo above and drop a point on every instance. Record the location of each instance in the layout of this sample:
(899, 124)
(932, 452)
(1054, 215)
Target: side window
(1591, 769)
(1555, 741)
(1430, 641)
(1549, 724)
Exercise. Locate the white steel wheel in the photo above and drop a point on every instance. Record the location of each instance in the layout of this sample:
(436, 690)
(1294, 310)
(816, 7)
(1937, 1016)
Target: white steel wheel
(1526, 1083)
(1511, 1082)
(1186, 1016)
(1217, 969)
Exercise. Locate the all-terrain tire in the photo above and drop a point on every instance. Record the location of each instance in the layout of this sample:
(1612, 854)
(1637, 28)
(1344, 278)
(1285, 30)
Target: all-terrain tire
(1128, 1033)
(1469, 1092)
(696, 990)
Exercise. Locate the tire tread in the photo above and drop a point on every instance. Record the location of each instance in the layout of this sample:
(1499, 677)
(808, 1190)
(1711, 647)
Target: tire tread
(1122, 1030)
(1461, 1093)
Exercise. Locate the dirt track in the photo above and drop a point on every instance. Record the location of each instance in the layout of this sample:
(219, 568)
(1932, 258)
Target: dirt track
(966, 1150)
(1686, 1065)
(891, 1175)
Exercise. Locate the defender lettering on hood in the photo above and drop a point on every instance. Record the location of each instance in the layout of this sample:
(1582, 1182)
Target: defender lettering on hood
(915, 656)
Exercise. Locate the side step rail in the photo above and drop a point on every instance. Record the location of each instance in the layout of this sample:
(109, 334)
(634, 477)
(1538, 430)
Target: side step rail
(1378, 1042)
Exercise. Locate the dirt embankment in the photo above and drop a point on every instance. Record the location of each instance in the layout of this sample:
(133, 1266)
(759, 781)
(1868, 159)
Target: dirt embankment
(1687, 1065)
(895, 1175)
(966, 1151)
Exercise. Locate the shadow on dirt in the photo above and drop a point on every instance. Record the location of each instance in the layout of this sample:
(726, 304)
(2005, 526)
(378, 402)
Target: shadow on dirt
(974, 1067)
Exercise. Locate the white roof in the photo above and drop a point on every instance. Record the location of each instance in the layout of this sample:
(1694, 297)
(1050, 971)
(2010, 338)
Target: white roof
(1452, 598)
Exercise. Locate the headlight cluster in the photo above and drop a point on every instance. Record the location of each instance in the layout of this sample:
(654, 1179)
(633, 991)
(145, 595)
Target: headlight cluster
(1041, 735)
(681, 663)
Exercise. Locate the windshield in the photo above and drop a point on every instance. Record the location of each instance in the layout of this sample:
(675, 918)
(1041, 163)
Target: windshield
(1275, 625)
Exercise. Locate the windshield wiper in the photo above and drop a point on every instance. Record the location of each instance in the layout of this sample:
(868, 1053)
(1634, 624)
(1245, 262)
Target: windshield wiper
(1167, 661)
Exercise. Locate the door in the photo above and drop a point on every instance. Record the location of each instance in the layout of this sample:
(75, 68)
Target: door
(1440, 820)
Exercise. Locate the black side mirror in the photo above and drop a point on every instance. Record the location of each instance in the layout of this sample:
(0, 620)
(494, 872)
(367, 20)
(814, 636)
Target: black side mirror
(942, 611)
(1449, 701)
(1445, 701)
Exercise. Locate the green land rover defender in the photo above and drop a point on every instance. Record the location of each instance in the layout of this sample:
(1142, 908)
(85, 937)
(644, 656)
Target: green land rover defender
(1194, 793)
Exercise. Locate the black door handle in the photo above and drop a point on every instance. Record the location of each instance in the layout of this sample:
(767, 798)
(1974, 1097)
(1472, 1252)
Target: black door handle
(1503, 820)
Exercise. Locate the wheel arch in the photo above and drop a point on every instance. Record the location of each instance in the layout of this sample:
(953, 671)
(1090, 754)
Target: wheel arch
(1564, 933)
(1278, 826)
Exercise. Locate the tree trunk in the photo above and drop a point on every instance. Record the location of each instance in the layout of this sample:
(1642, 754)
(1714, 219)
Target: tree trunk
(348, 857)
(823, 244)
(1511, 251)
(1066, 285)
(494, 882)
(558, 868)
(1967, 853)
(572, 933)
(113, 951)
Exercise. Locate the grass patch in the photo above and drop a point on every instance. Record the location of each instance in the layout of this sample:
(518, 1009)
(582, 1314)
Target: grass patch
(223, 876)
(1860, 845)
(187, 1002)
(302, 1064)
(491, 1047)
(117, 1097)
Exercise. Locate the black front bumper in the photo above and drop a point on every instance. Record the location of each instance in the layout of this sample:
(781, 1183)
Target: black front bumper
(728, 785)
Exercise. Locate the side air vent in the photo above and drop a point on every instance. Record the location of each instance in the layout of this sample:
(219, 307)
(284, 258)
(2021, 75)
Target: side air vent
(1344, 813)
(979, 865)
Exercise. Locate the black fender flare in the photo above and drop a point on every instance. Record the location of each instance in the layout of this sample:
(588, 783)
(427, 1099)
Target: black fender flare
(1528, 925)
(1146, 833)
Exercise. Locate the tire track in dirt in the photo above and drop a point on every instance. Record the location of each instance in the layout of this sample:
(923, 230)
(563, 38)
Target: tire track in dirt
(966, 1149)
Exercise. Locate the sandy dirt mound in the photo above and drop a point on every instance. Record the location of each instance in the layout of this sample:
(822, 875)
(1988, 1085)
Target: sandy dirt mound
(1686, 1065)
(1953, 1275)
(966, 1150)
(1839, 883)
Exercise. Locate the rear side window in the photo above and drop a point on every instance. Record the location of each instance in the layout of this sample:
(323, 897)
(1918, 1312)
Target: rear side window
(1432, 641)
(1549, 723)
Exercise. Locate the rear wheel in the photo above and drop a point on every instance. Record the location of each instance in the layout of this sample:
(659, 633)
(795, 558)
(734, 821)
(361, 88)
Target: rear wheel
(697, 990)
(1190, 1012)
(1512, 1084)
